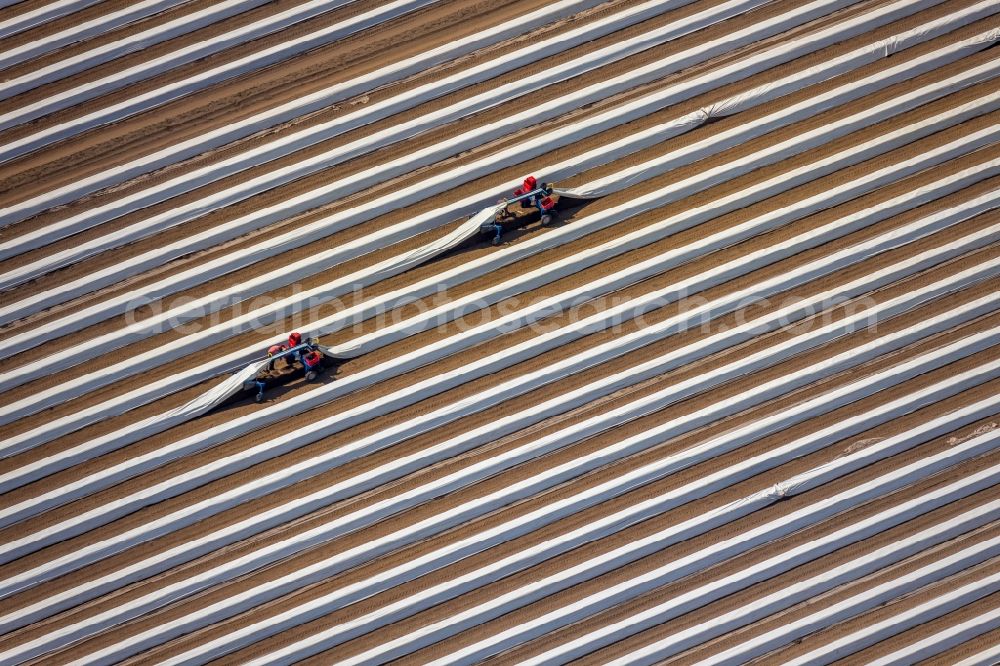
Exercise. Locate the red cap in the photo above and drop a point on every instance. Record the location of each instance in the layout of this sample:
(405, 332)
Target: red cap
(295, 339)
(529, 183)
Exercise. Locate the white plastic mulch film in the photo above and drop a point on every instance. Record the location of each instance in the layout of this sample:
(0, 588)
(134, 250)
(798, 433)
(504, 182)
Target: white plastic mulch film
(397, 264)
(844, 389)
(447, 180)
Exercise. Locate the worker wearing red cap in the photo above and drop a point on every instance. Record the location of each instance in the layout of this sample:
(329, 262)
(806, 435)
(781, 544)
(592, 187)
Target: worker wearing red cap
(273, 351)
(265, 371)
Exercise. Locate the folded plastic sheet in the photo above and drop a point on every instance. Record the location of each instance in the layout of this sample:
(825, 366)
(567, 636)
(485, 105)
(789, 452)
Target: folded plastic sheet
(218, 394)
(234, 383)
(383, 404)
(357, 181)
(229, 263)
(463, 232)
(559, 404)
(76, 33)
(314, 466)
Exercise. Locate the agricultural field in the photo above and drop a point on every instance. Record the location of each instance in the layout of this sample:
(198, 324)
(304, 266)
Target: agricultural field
(722, 387)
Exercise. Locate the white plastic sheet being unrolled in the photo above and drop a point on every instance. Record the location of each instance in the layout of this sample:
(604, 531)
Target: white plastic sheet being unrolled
(224, 390)
(218, 394)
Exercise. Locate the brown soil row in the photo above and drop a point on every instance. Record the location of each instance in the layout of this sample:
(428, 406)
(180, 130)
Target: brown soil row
(56, 85)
